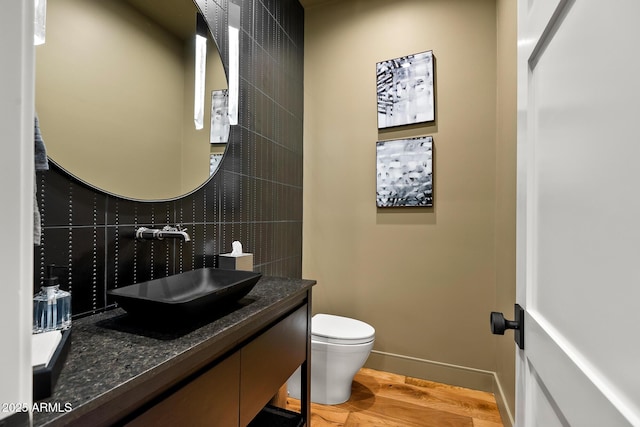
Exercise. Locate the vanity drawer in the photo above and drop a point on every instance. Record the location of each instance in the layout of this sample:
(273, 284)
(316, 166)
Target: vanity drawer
(209, 400)
(269, 360)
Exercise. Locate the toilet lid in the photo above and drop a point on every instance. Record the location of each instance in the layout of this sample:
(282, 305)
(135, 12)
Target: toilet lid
(340, 330)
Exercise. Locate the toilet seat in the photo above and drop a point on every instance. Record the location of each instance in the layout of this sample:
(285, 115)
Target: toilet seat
(340, 330)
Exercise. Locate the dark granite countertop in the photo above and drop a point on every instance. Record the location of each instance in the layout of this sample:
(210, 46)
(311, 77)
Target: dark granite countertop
(112, 356)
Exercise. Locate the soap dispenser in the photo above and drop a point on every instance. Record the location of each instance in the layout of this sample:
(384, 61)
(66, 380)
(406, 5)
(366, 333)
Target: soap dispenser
(51, 306)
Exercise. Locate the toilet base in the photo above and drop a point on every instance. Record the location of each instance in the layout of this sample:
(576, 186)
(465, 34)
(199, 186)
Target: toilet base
(332, 370)
(333, 394)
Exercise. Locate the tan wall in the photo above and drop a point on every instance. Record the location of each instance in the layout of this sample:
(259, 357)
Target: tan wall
(424, 278)
(506, 191)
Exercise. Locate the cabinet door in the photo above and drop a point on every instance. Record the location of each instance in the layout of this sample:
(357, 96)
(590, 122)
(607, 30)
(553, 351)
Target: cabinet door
(269, 360)
(209, 400)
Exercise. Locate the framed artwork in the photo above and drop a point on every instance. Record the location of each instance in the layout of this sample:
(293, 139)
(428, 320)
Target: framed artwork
(220, 126)
(404, 172)
(214, 162)
(405, 90)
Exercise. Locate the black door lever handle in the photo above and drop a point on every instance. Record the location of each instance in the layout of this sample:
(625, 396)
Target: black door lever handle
(499, 324)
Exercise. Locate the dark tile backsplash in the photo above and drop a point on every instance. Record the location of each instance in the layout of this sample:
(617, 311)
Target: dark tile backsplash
(255, 197)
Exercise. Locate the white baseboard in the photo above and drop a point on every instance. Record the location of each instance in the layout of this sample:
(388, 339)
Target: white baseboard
(446, 373)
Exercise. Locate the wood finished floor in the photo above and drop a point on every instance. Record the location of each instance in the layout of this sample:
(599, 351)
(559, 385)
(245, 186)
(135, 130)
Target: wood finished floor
(384, 399)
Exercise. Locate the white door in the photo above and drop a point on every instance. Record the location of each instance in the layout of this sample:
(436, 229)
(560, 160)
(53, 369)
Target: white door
(579, 212)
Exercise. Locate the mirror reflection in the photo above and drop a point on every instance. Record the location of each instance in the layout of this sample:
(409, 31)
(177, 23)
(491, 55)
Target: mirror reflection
(115, 96)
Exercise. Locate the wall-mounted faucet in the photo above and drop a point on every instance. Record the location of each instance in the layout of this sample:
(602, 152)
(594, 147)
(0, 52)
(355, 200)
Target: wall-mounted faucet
(167, 232)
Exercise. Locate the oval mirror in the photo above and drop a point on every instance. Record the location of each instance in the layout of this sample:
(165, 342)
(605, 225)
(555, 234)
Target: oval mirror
(115, 96)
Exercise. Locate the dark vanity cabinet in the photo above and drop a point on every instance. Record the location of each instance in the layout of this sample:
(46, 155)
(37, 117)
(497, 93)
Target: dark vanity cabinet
(221, 373)
(234, 390)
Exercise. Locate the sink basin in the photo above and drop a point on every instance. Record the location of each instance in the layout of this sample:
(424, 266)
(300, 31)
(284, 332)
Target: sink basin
(185, 295)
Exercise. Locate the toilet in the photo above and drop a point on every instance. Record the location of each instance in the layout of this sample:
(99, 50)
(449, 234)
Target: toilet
(339, 348)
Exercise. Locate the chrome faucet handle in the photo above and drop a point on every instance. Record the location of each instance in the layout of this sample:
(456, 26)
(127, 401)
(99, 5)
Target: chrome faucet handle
(178, 228)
